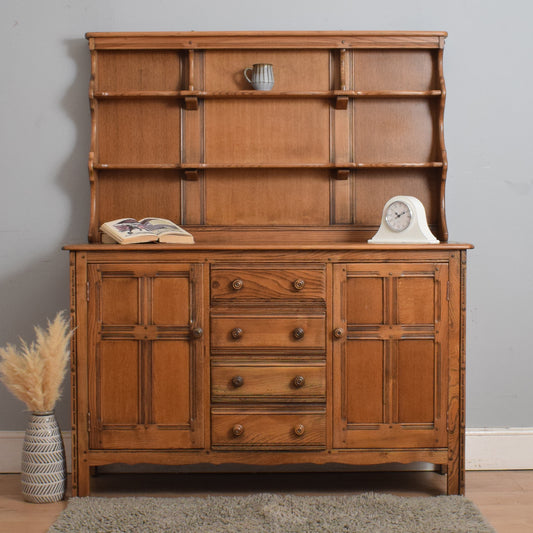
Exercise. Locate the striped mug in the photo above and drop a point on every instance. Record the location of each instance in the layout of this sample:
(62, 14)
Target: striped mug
(262, 76)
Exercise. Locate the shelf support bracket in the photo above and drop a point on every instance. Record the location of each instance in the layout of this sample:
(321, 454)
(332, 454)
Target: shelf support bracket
(342, 174)
(191, 103)
(192, 175)
(341, 102)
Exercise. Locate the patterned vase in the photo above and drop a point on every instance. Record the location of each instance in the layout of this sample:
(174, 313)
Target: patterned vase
(44, 474)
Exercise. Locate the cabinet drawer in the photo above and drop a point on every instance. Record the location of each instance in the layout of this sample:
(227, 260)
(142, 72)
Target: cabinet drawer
(268, 382)
(263, 283)
(262, 332)
(269, 429)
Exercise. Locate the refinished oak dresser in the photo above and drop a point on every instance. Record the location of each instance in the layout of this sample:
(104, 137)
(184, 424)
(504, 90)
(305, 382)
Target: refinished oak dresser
(281, 337)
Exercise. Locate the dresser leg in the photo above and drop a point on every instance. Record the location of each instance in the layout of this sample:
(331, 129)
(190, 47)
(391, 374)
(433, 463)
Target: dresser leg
(84, 481)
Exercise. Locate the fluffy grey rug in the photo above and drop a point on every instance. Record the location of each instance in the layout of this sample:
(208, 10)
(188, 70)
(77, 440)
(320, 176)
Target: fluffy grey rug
(273, 513)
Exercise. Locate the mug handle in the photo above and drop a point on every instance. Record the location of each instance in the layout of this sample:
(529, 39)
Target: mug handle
(247, 78)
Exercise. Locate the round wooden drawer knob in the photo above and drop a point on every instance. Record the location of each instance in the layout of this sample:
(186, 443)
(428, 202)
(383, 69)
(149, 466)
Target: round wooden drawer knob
(298, 333)
(237, 381)
(237, 284)
(298, 381)
(236, 333)
(299, 284)
(237, 430)
(299, 430)
(338, 333)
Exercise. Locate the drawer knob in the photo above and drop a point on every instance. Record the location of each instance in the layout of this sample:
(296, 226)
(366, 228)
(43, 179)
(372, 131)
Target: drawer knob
(299, 430)
(237, 381)
(299, 284)
(237, 430)
(298, 381)
(197, 333)
(338, 333)
(237, 284)
(298, 333)
(236, 333)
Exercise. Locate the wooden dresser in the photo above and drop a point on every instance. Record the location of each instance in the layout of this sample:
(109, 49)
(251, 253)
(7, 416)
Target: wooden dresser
(281, 337)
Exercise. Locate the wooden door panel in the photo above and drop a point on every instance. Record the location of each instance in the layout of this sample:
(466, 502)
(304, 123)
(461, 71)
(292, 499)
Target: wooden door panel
(171, 299)
(363, 375)
(119, 299)
(366, 300)
(117, 390)
(145, 370)
(171, 403)
(416, 361)
(416, 300)
(389, 371)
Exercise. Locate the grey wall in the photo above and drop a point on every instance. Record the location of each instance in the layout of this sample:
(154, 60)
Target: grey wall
(44, 128)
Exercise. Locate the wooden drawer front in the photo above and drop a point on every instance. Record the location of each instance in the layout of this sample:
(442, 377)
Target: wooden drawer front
(268, 333)
(269, 429)
(268, 382)
(301, 284)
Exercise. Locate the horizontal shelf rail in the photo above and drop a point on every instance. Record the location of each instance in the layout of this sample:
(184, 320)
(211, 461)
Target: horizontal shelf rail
(206, 166)
(264, 94)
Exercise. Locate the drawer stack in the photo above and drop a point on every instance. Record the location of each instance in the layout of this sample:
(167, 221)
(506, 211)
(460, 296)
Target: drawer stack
(268, 356)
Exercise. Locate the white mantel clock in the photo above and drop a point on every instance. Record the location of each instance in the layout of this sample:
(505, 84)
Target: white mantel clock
(404, 222)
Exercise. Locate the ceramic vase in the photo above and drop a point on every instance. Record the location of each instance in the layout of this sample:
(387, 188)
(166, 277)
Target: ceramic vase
(44, 475)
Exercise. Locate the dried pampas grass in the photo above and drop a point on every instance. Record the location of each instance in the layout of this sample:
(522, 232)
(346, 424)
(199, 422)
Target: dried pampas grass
(34, 372)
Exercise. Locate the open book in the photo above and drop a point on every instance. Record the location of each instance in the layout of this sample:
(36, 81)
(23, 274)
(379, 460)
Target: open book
(130, 231)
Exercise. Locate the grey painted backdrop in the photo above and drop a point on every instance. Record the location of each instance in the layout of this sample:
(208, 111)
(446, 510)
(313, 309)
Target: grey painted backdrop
(44, 128)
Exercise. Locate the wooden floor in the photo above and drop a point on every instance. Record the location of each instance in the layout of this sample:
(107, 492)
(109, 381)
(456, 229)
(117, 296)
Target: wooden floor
(505, 498)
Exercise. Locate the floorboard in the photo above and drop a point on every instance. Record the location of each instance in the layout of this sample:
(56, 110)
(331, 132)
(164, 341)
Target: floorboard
(504, 497)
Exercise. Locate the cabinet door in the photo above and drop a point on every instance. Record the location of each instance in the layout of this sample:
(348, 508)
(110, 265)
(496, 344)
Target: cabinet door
(390, 355)
(145, 356)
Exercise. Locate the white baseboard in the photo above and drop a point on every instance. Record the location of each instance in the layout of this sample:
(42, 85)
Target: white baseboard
(486, 449)
(499, 449)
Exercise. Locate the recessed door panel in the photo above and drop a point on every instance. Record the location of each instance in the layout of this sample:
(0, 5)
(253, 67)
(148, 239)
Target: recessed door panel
(145, 367)
(119, 299)
(171, 295)
(118, 365)
(171, 367)
(389, 363)
(364, 379)
(366, 295)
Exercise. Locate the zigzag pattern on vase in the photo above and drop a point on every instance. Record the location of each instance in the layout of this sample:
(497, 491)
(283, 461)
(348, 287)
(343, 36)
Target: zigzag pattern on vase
(43, 461)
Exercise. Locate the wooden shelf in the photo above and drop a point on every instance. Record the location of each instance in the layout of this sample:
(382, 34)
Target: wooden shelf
(207, 166)
(263, 94)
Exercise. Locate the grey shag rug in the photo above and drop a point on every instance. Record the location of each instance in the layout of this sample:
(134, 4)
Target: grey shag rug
(272, 513)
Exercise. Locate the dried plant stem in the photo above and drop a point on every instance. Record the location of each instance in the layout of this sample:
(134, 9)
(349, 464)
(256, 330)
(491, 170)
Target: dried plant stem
(34, 372)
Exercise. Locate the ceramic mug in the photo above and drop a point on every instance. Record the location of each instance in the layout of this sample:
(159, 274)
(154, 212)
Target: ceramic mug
(262, 76)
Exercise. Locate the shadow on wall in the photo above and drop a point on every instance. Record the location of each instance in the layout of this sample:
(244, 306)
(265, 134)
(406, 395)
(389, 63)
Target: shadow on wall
(42, 287)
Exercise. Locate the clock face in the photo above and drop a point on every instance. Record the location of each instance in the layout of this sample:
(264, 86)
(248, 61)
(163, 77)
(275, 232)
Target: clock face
(398, 216)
